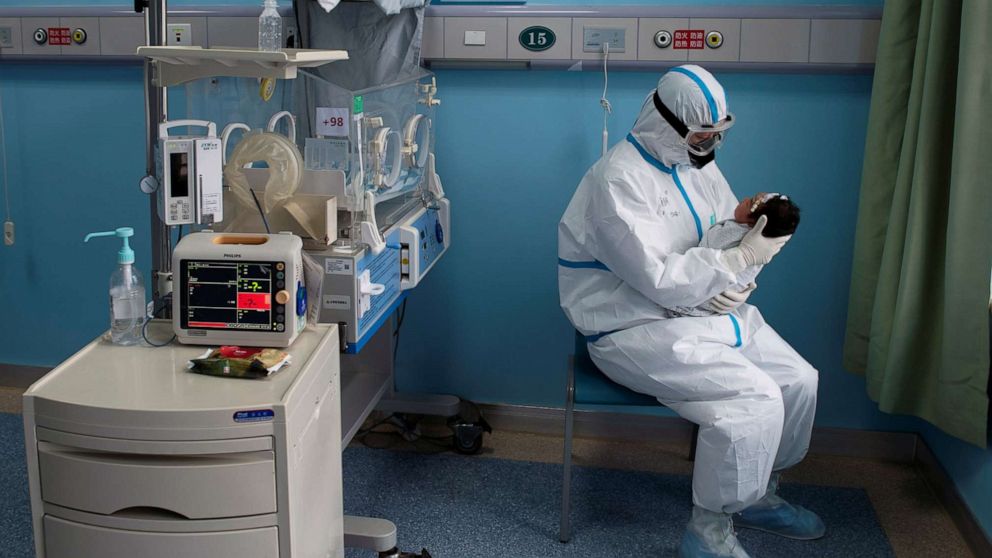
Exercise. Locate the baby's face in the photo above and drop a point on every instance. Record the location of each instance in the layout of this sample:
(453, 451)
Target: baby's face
(742, 214)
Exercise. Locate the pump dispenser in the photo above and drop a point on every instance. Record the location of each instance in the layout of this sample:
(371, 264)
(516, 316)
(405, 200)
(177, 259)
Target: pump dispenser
(127, 292)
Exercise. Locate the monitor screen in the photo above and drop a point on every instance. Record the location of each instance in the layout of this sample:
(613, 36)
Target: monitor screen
(219, 294)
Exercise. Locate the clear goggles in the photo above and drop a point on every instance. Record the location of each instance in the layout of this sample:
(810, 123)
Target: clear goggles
(703, 140)
(700, 140)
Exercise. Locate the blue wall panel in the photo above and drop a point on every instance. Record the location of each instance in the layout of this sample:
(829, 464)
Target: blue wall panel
(75, 147)
(512, 146)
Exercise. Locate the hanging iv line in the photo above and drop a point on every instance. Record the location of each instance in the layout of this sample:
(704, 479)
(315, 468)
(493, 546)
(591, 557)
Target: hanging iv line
(603, 101)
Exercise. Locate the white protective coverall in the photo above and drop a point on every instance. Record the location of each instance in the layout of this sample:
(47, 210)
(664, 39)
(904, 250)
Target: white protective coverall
(628, 248)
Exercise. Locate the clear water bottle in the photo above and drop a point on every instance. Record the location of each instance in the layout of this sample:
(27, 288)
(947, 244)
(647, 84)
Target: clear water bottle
(127, 292)
(269, 27)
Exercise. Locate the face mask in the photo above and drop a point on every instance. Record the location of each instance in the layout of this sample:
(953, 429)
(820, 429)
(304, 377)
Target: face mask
(700, 161)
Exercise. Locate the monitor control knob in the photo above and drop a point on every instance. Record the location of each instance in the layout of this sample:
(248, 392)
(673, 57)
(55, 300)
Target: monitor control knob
(282, 297)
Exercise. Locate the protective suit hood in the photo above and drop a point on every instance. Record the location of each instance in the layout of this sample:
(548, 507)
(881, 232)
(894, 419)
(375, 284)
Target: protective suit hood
(693, 95)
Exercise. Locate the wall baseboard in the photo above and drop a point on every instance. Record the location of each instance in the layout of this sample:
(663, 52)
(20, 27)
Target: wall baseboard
(21, 375)
(947, 493)
(890, 446)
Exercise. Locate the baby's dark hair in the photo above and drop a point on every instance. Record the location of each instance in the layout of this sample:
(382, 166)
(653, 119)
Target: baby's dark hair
(783, 216)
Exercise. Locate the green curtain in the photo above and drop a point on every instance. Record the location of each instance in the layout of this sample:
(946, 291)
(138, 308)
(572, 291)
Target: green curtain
(918, 315)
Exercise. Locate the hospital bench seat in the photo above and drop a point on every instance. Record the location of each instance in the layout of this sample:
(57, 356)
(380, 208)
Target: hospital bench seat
(588, 386)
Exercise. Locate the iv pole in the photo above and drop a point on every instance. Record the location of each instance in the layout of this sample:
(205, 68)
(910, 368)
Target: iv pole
(156, 111)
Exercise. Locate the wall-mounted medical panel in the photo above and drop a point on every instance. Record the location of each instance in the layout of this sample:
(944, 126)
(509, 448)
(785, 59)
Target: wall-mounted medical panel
(844, 41)
(775, 40)
(721, 40)
(656, 39)
(543, 38)
(475, 38)
(432, 44)
(755, 38)
(589, 34)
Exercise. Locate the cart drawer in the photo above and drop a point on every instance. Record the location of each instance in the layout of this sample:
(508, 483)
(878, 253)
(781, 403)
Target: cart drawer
(191, 486)
(65, 539)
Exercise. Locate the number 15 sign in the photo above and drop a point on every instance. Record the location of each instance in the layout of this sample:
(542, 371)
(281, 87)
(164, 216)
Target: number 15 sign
(537, 38)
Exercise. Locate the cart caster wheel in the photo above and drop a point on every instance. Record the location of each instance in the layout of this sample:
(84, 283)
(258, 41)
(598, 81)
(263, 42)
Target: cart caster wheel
(468, 444)
(395, 553)
(468, 428)
(467, 436)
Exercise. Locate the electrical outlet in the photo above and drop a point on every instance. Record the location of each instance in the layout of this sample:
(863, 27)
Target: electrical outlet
(8, 233)
(6, 37)
(593, 39)
(180, 34)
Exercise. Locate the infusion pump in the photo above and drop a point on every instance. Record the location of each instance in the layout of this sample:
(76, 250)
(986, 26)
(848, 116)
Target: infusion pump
(190, 174)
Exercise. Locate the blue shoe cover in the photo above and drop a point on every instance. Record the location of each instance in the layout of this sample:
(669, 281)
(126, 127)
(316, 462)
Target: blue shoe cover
(786, 520)
(694, 547)
(710, 535)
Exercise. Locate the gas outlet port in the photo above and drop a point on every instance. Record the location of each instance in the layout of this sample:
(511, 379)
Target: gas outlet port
(714, 39)
(663, 39)
(40, 36)
(79, 35)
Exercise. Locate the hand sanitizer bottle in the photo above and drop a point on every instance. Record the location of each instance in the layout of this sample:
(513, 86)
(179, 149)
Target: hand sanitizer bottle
(269, 27)
(127, 292)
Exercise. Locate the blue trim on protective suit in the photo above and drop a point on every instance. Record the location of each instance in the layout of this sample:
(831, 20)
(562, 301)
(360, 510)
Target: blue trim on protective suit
(695, 216)
(582, 265)
(714, 113)
(675, 175)
(587, 265)
(647, 156)
(597, 336)
(737, 329)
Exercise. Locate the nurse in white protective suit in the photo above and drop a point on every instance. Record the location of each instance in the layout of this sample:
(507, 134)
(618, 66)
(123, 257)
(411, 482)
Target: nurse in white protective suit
(628, 249)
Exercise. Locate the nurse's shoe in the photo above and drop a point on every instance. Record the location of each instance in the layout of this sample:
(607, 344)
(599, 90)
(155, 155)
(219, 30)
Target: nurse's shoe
(710, 535)
(774, 515)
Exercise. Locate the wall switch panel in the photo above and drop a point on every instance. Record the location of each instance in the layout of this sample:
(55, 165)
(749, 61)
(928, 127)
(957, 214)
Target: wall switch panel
(594, 39)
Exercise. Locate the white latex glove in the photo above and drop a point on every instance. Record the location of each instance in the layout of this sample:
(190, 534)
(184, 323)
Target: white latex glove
(754, 249)
(725, 302)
